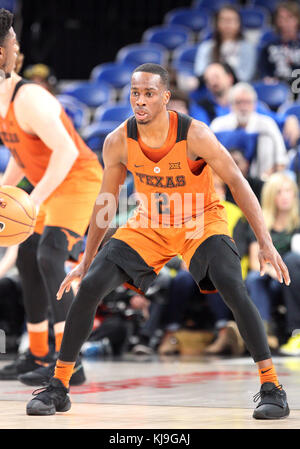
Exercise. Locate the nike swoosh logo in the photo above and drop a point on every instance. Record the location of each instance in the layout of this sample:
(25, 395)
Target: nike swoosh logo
(263, 372)
(137, 166)
(76, 369)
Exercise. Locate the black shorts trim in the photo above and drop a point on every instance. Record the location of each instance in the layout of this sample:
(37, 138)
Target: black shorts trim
(202, 257)
(120, 253)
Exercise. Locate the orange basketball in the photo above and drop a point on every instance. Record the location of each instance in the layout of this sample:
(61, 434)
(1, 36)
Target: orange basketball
(17, 215)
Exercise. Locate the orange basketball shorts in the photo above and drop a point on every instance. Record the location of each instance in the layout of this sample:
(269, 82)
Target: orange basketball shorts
(70, 206)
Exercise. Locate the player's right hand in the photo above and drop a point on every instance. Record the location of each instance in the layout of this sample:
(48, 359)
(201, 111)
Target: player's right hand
(76, 274)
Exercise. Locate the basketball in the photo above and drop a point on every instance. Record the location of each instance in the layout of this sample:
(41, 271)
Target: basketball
(17, 215)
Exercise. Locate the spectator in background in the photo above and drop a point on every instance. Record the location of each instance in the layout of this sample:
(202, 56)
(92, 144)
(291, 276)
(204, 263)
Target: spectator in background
(281, 54)
(179, 101)
(280, 205)
(255, 182)
(41, 74)
(227, 45)
(267, 154)
(218, 79)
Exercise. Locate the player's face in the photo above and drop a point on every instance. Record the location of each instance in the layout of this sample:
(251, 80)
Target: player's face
(9, 52)
(148, 96)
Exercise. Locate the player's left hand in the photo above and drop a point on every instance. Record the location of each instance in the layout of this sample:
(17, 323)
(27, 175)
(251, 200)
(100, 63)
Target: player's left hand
(268, 254)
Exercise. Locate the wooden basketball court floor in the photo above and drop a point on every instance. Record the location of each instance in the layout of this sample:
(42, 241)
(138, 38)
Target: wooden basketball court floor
(159, 393)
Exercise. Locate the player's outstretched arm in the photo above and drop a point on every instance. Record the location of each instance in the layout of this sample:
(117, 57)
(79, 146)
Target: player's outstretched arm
(115, 160)
(203, 143)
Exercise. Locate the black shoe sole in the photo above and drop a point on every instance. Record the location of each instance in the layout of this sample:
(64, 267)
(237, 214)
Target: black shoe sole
(38, 408)
(262, 414)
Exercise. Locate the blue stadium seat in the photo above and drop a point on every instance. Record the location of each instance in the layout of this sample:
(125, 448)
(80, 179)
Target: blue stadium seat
(170, 36)
(10, 5)
(292, 110)
(78, 112)
(267, 35)
(114, 113)
(274, 95)
(91, 94)
(136, 54)
(94, 134)
(4, 158)
(184, 58)
(241, 140)
(270, 5)
(212, 5)
(113, 73)
(254, 18)
(195, 20)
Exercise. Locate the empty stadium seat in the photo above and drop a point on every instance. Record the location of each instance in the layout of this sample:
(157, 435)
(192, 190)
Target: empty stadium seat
(140, 53)
(4, 158)
(94, 134)
(213, 5)
(170, 36)
(92, 94)
(11, 5)
(274, 95)
(292, 110)
(194, 19)
(241, 140)
(113, 73)
(270, 5)
(115, 113)
(184, 58)
(78, 112)
(254, 18)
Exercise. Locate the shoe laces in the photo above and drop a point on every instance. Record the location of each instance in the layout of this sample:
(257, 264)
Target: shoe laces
(262, 393)
(42, 389)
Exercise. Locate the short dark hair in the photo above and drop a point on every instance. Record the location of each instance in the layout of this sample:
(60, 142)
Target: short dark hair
(6, 20)
(156, 69)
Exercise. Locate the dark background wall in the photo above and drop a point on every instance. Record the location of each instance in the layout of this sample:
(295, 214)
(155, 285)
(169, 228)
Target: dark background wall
(72, 36)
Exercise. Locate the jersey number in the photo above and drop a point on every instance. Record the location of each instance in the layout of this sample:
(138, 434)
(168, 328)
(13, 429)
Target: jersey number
(162, 203)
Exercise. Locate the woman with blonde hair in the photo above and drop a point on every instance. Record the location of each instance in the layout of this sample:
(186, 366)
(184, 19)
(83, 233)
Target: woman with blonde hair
(280, 205)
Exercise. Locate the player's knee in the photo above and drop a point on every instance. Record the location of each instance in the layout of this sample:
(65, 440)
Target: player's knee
(27, 251)
(49, 259)
(87, 292)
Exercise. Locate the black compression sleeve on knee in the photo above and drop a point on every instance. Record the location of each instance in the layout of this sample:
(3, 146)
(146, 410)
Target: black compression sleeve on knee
(225, 273)
(51, 262)
(35, 295)
(102, 278)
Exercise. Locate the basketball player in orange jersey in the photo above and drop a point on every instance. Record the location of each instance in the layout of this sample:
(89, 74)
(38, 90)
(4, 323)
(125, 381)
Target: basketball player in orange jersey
(66, 176)
(167, 152)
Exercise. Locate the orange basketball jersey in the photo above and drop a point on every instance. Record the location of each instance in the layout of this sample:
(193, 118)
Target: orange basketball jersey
(30, 152)
(172, 189)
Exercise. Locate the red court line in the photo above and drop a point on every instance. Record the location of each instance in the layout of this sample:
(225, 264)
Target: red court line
(170, 381)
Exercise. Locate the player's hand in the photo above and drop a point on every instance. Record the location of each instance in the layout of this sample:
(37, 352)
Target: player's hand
(76, 274)
(268, 254)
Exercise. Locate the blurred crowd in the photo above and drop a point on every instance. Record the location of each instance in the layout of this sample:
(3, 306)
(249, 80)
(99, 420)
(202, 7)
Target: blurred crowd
(242, 82)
